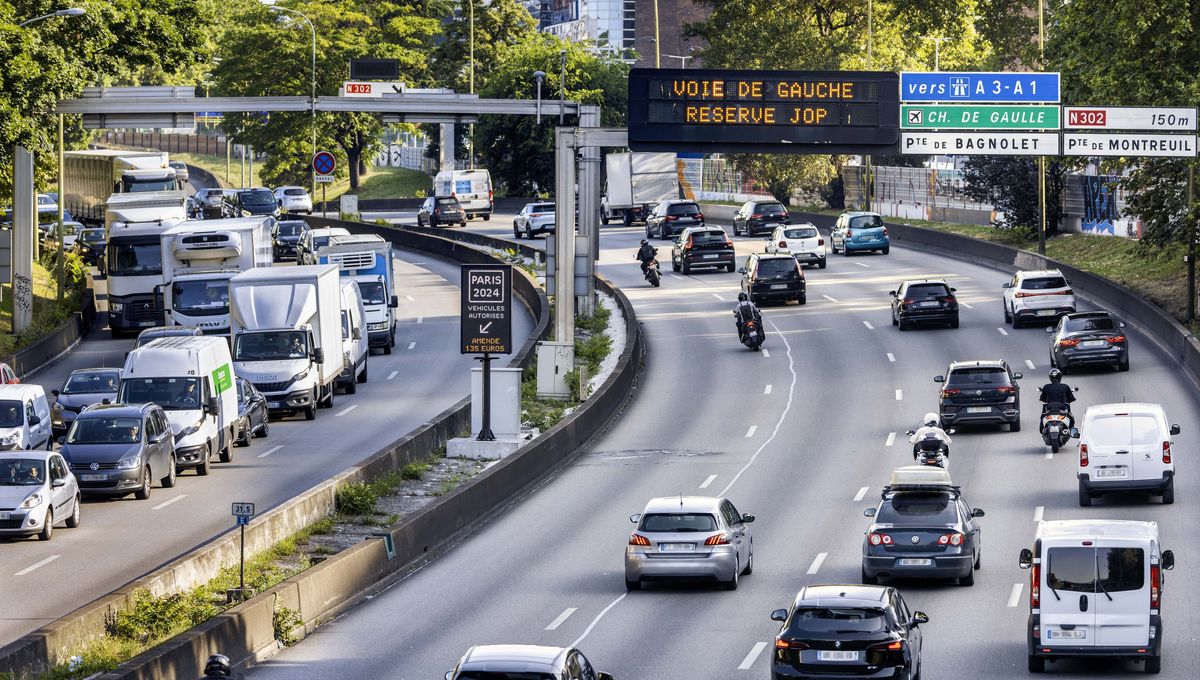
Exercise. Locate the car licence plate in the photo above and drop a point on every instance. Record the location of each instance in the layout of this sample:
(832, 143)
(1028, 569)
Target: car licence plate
(676, 547)
(1066, 634)
(1045, 312)
(778, 286)
(1110, 472)
(914, 562)
(1093, 343)
(274, 404)
(710, 256)
(927, 304)
(979, 409)
(93, 478)
(836, 655)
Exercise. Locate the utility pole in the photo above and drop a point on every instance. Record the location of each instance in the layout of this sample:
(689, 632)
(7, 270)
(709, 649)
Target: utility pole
(471, 86)
(59, 272)
(657, 42)
(1190, 214)
(870, 67)
(1042, 159)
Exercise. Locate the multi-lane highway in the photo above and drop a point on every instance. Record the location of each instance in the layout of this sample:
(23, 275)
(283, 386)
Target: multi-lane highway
(122, 539)
(802, 435)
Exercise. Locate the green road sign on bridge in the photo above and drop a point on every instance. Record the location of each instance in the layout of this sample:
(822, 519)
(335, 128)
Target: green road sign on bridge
(979, 117)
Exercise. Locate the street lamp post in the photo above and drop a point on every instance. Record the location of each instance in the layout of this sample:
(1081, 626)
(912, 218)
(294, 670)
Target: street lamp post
(683, 58)
(312, 102)
(69, 12)
(937, 48)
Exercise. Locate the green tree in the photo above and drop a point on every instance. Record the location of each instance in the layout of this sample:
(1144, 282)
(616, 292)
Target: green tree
(499, 24)
(1010, 183)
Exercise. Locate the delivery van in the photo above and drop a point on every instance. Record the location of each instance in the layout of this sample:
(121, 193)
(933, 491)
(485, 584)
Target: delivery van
(472, 188)
(24, 417)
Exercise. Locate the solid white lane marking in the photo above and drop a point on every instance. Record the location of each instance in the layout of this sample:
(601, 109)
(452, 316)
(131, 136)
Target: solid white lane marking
(752, 656)
(409, 298)
(751, 431)
(164, 504)
(767, 389)
(829, 298)
(868, 325)
(1002, 331)
(1014, 597)
(966, 305)
(1038, 512)
(596, 620)
(412, 344)
(393, 374)
(891, 357)
(891, 439)
(269, 451)
(36, 565)
(561, 618)
(706, 482)
(864, 266)
(1031, 365)
(816, 563)
(346, 410)
(718, 297)
(861, 493)
(766, 354)
(899, 395)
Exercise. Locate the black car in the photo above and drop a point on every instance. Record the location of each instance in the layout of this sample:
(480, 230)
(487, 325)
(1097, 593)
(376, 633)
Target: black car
(120, 449)
(755, 217)
(1088, 339)
(773, 277)
(258, 201)
(285, 237)
(252, 413)
(441, 210)
(671, 217)
(702, 247)
(89, 246)
(980, 393)
(83, 388)
(848, 631)
(924, 301)
(922, 530)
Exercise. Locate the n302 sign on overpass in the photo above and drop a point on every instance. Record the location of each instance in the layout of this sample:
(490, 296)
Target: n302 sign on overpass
(1156, 118)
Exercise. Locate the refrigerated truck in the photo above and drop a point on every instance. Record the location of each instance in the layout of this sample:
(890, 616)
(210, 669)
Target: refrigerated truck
(367, 260)
(200, 257)
(634, 183)
(91, 176)
(133, 225)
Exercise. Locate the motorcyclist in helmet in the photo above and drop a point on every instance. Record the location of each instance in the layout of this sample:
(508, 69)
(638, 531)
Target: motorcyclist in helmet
(930, 426)
(745, 311)
(646, 254)
(217, 667)
(1056, 397)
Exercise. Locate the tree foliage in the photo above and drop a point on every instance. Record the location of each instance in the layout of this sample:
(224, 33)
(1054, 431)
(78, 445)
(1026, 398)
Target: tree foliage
(499, 24)
(1010, 183)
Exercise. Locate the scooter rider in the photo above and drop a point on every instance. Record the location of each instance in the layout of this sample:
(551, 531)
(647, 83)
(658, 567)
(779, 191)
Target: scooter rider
(646, 254)
(929, 427)
(217, 667)
(1057, 395)
(746, 311)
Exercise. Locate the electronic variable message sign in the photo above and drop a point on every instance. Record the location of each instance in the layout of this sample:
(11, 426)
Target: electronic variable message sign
(708, 110)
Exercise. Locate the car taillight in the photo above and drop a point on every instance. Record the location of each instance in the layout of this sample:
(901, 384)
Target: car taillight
(700, 216)
(1067, 342)
(879, 539)
(885, 231)
(909, 301)
(689, 243)
(1007, 389)
(756, 216)
(1155, 585)
(1065, 292)
(437, 211)
(535, 214)
(638, 539)
(1083, 455)
(952, 538)
(893, 646)
(1116, 339)
(1035, 586)
(1024, 295)
(490, 196)
(949, 299)
(1167, 452)
(717, 539)
(670, 218)
(783, 244)
(950, 391)
(820, 241)
(728, 243)
(781, 643)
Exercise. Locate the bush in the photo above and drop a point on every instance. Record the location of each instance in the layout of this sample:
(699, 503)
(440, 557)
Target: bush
(414, 471)
(358, 498)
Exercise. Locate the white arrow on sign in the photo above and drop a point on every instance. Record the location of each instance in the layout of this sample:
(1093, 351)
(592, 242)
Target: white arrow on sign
(484, 328)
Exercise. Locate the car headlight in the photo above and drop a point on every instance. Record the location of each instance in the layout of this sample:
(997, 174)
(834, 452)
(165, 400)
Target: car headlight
(130, 463)
(381, 326)
(117, 307)
(31, 501)
(56, 408)
(11, 438)
(299, 376)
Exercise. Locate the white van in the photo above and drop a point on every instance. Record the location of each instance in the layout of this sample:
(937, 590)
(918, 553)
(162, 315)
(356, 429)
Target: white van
(472, 188)
(192, 379)
(1125, 447)
(355, 343)
(1094, 591)
(24, 417)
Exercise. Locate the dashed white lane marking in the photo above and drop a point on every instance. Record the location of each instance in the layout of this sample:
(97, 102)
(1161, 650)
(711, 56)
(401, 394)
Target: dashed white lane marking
(718, 297)
(1014, 597)
(891, 357)
(588, 630)
(164, 504)
(1002, 331)
(393, 374)
(751, 431)
(36, 565)
(766, 354)
(767, 389)
(899, 395)
(816, 563)
(861, 493)
(561, 618)
(868, 325)
(709, 480)
(1049, 455)
(1038, 512)
(752, 656)
(966, 305)
(829, 298)
(409, 298)
(420, 319)
(412, 344)
(346, 410)
(1031, 365)
(891, 439)
(269, 451)
(864, 266)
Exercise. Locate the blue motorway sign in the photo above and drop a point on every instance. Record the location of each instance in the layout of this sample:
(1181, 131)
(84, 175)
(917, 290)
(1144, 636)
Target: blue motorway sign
(945, 86)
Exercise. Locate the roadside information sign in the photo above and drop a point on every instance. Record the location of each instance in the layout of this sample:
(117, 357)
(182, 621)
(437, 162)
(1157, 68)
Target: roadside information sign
(980, 143)
(243, 512)
(324, 163)
(949, 86)
(485, 318)
(1129, 145)
(984, 117)
(324, 179)
(1156, 118)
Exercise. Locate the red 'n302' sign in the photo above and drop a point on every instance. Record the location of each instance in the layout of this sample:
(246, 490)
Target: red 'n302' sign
(1087, 118)
(358, 88)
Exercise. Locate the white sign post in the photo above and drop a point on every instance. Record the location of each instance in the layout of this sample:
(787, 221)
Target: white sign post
(979, 143)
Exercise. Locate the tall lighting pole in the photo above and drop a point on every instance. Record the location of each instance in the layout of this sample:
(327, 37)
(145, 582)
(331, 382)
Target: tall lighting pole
(870, 67)
(657, 42)
(937, 49)
(1042, 159)
(312, 102)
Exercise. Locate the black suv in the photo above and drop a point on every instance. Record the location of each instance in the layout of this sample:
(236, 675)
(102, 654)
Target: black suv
(441, 210)
(773, 277)
(924, 301)
(759, 216)
(671, 217)
(702, 247)
(922, 531)
(257, 201)
(1088, 339)
(847, 630)
(980, 393)
(285, 237)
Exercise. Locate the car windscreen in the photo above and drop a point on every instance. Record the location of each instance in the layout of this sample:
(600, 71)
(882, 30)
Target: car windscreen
(802, 232)
(779, 267)
(12, 413)
(1123, 430)
(542, 208)
(92, 235)
(170, 393)
(708, 237)
(105, 431)
(866, 222)
(135, 256)
(137, 186)
(92, 383)
(923, 508)
(770, 209)
(22, 472)
(200, 298)
(295, 192)
(1090, 323)
(291, 228)
(256, 198)
(271, 346)
(372, 292)
(926, 291)
(1095, 570)
(978, 375)
(448, 202)
(682, 209)
(833, 620)
(678, 522)
(1044, 283)
(503, 675)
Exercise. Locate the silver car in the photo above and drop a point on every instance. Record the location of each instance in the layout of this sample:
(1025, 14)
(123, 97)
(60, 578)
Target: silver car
(689, 538)
(37, 491)
(501, 662)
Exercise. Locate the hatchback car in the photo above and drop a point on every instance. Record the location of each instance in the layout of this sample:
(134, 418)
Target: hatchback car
(859, 232)
(157, 332)
(924, 301)
(1088, 339)
(256, 201)
(700, 247)
(534, 218)
(847, 631)
(668, 218)
(313, 240)
(37, 491)
(801, 241)
(689, 538)
(755, 217)
(1037, 295)
(922, 528)
(181, 171)
(1125, 447)
(294, 200)
(83, 388)
(524, 662)
(252, 413)
(89, 246)
(980, 393)
(773, 277)
(441, 210)
(285, 238)
(120, 449)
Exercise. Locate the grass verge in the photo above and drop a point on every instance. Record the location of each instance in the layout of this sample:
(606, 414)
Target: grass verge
(378, 183)
(592, 346)
(48, 312)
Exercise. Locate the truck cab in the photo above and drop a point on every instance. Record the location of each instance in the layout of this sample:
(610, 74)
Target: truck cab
(134, 225)
(367, 260)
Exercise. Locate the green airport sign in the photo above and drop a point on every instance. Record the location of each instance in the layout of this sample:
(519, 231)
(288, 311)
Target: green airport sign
(979, 117)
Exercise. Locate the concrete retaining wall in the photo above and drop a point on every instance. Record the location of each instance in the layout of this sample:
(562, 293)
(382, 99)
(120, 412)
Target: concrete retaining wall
(62, 339)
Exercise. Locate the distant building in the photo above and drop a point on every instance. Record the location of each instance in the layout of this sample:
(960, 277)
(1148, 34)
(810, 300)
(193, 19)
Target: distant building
(609, 24)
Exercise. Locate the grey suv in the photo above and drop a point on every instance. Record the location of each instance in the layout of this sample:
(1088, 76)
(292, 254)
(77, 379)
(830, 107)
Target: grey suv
(119, 449)
(524, 661)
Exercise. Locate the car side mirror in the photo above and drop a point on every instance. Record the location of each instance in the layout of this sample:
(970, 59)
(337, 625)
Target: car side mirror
(54, 393)
(892, 293)
(106, 401)
(953, 290)
(869, 512)
(604, 676)
(910, 432)
(212, 407)
(1120, 324)
(1049, 329)
(449, 675)
(58, 482)
(951, 431)
(1074, 389)
(62, 441)
(939, 378)
(919, 618)
(1074, 433)
(1174, 430)
(357, 333)
(779, 615)
(1018, 376)
(1006, 285)
(394, 302)
(748, 518)
(34, 420)
(635, 518)
(1026, 558)
(1168, 560)
(977, 512)
(319, 355)
(741, 270)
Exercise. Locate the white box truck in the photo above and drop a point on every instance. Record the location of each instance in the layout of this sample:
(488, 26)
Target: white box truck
(286, 327)
(91, 176)
(367, 260)
(472, 188)
(192, 379)
(199, 257)
(134, 224)
(635, 182)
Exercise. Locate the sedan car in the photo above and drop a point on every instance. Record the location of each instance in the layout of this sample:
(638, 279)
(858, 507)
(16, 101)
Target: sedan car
(1037, 295)
(534, 218)
(1088, 339)
(286, 237)
(924, 301)
(801, 241)
(294, 200)
(441, 210)
(83, 388)
(313, 240)
(758, 216)
(980, 393)
(252, 413)
(671, 217)
(120, 449)
(89, 246)
(773, 277)
(524, 662)
(859, 232)
(922, 528)
(37, 492)
(701, 247)
(689, 538)
(848, 631)
(181, 171)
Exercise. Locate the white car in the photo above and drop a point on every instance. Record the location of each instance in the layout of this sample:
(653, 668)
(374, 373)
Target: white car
(1041, 295)
(181, 171)
(294, 200)
(802, 241)
(46, 203)
(313, 240)
(534, 218)
(41, 491)
(1125, 447)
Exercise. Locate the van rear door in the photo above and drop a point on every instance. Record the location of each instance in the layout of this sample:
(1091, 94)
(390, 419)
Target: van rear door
(1110, 454)
(1146, 436)
(1122, 594)
(1068, 596)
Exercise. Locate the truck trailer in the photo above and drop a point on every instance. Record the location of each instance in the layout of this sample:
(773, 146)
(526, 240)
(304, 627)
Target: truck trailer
(91, 176)
(366, 259)
(635, 182)
(133, 226)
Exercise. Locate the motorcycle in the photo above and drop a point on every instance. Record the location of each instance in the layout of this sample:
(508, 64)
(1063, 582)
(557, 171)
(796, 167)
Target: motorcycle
(1056, 425)
(652, 273)
(932, 451)
(752, 335)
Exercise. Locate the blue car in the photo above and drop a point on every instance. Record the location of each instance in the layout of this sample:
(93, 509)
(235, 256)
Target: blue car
(857, 232)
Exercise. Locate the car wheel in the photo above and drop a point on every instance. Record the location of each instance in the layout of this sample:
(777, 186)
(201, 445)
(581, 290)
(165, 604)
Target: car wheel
(903, 326)
(205, 463)
(869, 580)
(968, 580)
(169, 481)
(1123, 366)
(264, 429)
(821, 263)
(352, 386)
(1015, 426)
(1037, 664)
(1053, 361)
(894, 321)
(674, 266)
(144, 492)
(243, 438)
(749, 561)
(528, 232)
(73, 520)
(731, 268)
(1154, 664)
(516, 230)
(362, 377)
(685, 268)
(1007, 316)
(632, 585)
(310, 411)
(47, 531)
(845, 251)
(225, 455)
(954, 323)
(328, 402)
(1168, 496)
(886, 250)
(803, 299)
(732, 584)
(978, 561)
(1085, 498)
(627, 219)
